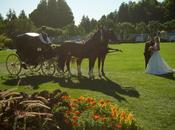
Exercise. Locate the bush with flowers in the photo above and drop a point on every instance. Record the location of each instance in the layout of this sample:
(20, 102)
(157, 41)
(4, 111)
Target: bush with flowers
(85, 113)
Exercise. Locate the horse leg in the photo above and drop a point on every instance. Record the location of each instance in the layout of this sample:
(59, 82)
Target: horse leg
(68, 66)
(91, 67)
(79, 67)
(103, 61)
(61, 64)
(99, 65)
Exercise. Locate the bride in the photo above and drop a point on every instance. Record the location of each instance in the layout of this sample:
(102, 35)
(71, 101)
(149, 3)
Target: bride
(157, 64)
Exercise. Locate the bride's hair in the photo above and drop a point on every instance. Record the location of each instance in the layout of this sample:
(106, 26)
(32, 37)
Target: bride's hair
(157, 39)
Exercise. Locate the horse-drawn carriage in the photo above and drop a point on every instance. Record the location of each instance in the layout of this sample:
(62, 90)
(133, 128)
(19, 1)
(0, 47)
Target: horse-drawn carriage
(31, 53)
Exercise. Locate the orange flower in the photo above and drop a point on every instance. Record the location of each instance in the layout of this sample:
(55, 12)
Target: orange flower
(93, 103)
(96, 117)
(68, 112)
(75, 118)
(81, 98)
(89, 99)
(130, 117)
(65, 97)
(101, 102)
(75, 124)
(123, 115)
(119, 126)
(103, 119)
(77, 112)
(104, 127)
(114, 112)
(66, 121)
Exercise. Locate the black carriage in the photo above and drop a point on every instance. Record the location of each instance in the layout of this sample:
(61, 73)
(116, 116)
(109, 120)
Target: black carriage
(31, 53)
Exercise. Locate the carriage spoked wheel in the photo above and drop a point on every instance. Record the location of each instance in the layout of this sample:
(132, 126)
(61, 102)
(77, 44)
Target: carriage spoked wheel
(13, 64)
(48, 68)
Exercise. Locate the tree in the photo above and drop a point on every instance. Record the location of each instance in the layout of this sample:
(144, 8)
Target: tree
(123, 13)
(10, 23)
(1, 18)
(169, 25)
(39, 15)
(124, 29)
(54, 13)
(93, 23)
(11, 15)
(144, 10)
(141, 27)
(22, 15)
(71, 30)
(2, 25)
(169, 9)
(154, 27)
(85, 24)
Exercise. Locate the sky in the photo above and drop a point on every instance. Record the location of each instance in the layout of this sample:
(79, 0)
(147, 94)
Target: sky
(91, 8)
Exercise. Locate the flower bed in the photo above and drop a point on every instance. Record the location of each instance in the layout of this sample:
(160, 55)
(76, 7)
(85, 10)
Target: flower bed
(88, 114)
(58, 111)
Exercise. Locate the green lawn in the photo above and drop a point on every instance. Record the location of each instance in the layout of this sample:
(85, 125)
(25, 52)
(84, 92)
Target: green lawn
(151, 98)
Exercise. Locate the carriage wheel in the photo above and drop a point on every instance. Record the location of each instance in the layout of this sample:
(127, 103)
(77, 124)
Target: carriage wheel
(34, 68)
(13, 64)
(48, 68)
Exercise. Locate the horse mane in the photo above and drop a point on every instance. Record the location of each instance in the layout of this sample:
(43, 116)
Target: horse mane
(92, 37)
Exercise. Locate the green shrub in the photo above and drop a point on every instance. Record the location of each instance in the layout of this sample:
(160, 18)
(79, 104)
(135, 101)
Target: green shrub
(5, 42)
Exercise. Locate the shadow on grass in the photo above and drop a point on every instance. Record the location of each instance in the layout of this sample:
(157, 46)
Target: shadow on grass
(103, 85)
(167, 76)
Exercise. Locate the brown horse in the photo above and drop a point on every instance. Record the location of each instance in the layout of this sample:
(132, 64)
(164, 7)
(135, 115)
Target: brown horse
(92, 49)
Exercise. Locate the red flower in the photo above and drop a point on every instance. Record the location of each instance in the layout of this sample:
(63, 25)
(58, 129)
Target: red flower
(75, 124)
(96, 117)
(66, 121)
(75, 118)
(77, 112)
(119, 126)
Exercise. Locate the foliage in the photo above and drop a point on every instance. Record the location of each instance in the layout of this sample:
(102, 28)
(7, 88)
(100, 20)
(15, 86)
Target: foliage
(169, 9)
(154, 27)
(141, 27)
(53, 13)
(87, 113)
(19, 110)
(169, 25)
(5, 42)
(87, 25)
(55, 110)
(144, 10)
(52, 31)
(71, 30)
(13, 25)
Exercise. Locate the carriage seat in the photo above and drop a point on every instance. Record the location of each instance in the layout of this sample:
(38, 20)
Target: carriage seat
(33, 34)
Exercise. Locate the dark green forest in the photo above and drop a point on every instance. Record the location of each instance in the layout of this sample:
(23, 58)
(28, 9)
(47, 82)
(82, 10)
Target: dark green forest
(145, 16)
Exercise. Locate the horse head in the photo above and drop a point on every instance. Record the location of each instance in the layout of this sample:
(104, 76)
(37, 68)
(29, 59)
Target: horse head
(107, 35)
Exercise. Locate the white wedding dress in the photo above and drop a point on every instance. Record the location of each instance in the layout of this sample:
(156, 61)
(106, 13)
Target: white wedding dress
(157, 65)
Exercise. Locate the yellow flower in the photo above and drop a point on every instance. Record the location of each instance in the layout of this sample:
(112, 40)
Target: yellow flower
(130, 117)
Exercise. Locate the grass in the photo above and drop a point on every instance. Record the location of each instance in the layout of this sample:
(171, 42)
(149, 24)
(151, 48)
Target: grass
(151, 98)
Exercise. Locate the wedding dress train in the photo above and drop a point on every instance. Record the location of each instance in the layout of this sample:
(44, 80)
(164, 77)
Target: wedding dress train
(157, 65)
